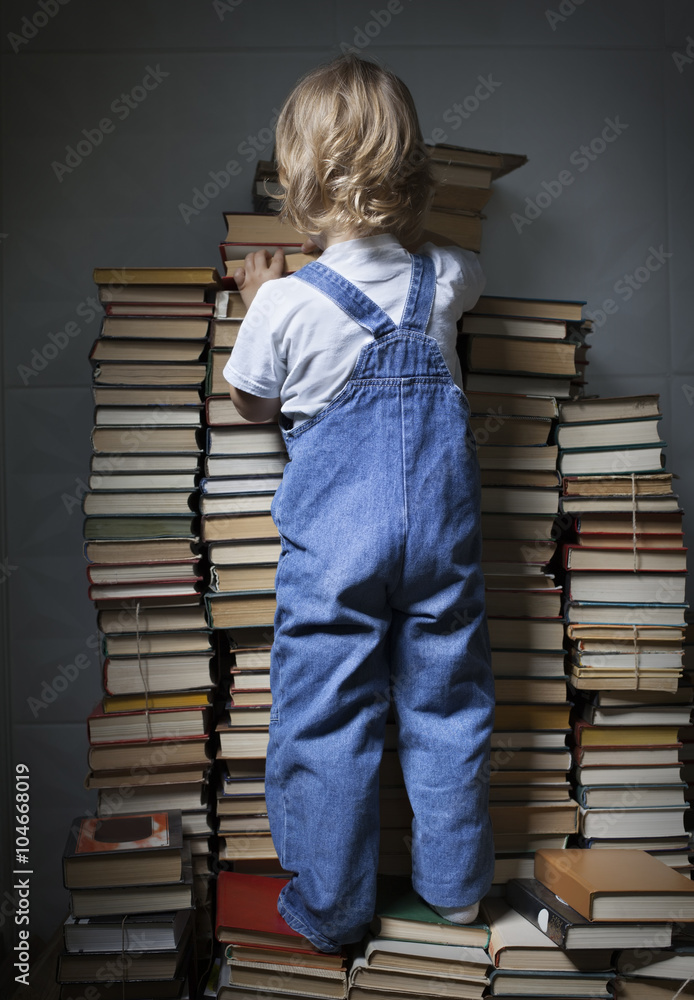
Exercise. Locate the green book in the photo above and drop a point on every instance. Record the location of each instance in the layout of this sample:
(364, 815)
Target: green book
(402, 914)
(147, 526)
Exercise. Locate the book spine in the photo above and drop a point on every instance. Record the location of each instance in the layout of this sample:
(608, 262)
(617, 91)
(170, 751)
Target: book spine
(530, 907)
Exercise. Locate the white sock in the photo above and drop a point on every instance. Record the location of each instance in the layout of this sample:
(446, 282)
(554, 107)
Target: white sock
(458, 914)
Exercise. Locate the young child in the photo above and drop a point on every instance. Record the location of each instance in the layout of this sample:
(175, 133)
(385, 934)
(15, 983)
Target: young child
(380, 594)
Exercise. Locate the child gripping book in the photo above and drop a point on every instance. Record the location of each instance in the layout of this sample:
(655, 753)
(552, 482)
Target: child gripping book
(380, 592)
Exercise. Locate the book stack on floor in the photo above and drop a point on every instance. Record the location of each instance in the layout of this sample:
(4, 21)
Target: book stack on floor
(686, 734)
(149, 734)
(625, 577)
(518, 356)
(261, 955)
(463, 179)
(623, 910)
(130, 932)
(243, 467)
(412, 951)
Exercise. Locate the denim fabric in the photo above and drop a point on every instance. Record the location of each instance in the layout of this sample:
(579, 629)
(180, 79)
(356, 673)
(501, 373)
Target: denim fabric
(380, 596)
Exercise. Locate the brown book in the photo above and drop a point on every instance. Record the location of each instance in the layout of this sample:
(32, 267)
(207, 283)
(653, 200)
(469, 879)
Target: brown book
(147, 295)
(624, 885)
(233, 527)
(498, 163)
(123, 850)
(653, 484)
(223, 333)
(108, 395)
(249, 227)
(528, 716)
(516, 354)
(610, 408)
(499, 305)
(624, 736)
(534, 818)
(243, 577)
(132, 327)
(500, 404)
(231, 610)
(458, 198)
(134, 349)
(448, 227)
(145, 440)
(461, 175)
(121, 276)
(129, 373)
(510, 430)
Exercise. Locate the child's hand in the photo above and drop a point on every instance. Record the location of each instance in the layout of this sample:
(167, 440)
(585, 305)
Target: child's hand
(259, 267)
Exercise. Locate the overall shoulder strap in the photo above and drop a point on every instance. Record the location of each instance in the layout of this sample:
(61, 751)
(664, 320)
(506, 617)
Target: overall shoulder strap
(420, 296)
(347, 296)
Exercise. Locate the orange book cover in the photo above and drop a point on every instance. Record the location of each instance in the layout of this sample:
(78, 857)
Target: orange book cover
(132, 832)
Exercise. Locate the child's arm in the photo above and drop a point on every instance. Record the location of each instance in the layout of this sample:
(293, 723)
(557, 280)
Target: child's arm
(255, 409)
(258, 268)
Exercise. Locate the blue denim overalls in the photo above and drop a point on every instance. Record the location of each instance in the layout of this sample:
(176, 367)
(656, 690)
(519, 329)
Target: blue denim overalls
(380, 595)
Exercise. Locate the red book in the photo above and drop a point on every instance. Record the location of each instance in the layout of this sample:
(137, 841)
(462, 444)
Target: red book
(247, 913)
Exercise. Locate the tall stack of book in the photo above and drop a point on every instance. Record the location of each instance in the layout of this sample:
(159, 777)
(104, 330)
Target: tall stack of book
(149, 735)
(243, 467)
(518, 357)
(625, 575)
(686, 734)
(463, 180)
(130, 932)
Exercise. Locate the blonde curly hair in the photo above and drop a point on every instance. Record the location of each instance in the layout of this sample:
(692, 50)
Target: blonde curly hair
(350, 153)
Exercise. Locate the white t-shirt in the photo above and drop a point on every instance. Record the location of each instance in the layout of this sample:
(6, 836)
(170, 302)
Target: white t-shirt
(296, 344)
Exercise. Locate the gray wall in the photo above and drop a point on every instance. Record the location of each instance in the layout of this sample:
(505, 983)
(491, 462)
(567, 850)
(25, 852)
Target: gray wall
(224, 68)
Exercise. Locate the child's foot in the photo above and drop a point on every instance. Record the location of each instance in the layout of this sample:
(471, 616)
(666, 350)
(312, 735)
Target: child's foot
(458, 914)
